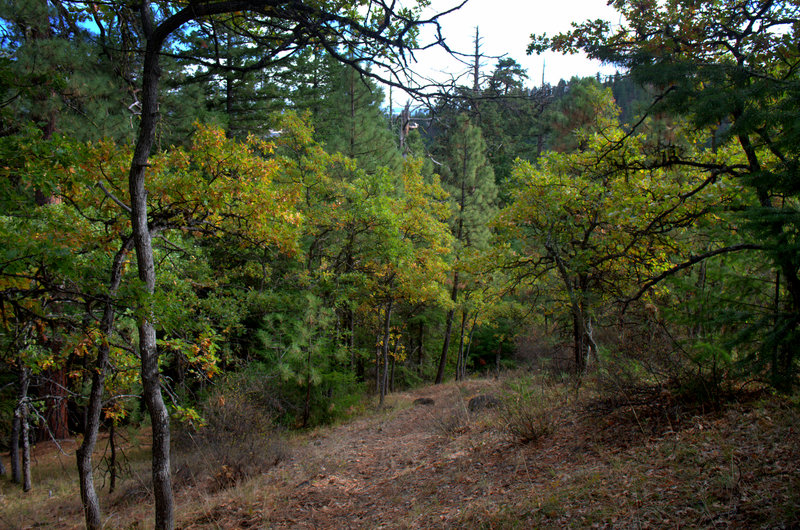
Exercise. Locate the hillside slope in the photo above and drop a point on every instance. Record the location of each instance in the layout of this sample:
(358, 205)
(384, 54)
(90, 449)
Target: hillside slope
(442, 466)
(600, 463)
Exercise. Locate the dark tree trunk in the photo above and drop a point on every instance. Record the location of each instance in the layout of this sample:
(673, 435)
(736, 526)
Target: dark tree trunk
(460, 360)
(307, 401)
(91, 504)
(391, 374)
(378, 350)
(55, 415)
(454, 293)
(469, 342)
(351, 338)
(112, 463)
(447, 332)
(421, 346)
(16, 470)
(578, 342)
(445, 347)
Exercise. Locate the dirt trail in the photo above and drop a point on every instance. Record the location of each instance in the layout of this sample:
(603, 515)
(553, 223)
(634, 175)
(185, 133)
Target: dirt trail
(442, 467)
(391, 469)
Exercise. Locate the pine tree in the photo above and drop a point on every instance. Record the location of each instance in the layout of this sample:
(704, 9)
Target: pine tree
(348, 119)
(469, 179)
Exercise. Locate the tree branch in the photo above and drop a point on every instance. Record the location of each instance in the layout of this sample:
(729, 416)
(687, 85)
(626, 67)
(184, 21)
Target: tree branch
(685, 265)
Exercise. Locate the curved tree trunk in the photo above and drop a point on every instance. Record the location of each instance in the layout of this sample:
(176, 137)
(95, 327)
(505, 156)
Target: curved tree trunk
(151, 380)
(91, 504)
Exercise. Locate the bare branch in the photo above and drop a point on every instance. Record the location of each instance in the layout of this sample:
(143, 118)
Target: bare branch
(113, 197)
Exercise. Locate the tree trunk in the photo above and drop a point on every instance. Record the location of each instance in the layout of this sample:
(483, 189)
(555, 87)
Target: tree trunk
(469, 342)
(460, 360)
(391, 373)
(378, 350)
(22, 408)
(447, 332)
(351, 338)
(578, 342)
(352, 81)
(151, 380)
(307, 401)
(91, 504)
(112, 463)
(454, 292)
(385, 352)
(16, 470)
(421, 345)
(55, 425)
(789, 268)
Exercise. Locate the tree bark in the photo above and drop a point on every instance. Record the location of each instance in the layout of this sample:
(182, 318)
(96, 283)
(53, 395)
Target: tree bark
(16, 470)
(91, 504)
(112, 463)
(22, 413)
(447, 332)
(421, 346)
(469, 342)
(460, 361)
(55, 387)
(307, 401)
(385, 352)
(151, 380)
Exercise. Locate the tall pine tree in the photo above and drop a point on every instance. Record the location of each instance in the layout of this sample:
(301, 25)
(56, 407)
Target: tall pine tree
(469, 179)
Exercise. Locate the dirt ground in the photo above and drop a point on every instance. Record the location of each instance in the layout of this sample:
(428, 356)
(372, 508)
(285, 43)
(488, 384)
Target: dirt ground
(440, 466)
(393, 468)
(658, 465)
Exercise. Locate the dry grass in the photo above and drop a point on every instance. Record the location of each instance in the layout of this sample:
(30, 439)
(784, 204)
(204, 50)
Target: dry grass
(655, 464)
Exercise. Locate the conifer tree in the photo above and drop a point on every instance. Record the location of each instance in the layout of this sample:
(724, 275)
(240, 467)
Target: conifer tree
(349, 120)
(469, 179)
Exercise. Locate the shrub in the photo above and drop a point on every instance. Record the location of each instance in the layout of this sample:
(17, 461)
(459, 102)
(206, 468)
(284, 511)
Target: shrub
(530, 408)
(236, 439)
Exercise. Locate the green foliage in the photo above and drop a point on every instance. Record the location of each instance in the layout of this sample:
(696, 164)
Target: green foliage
(469, 179)
(348, 119)
(587, 232)
(731, 70)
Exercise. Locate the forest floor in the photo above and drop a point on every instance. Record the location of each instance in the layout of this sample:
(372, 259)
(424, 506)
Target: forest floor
(651, 463)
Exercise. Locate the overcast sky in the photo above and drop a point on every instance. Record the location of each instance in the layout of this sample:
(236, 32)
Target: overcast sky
(505, 28)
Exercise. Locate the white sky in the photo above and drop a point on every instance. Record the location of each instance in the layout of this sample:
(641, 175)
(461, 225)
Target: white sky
(505, 28)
